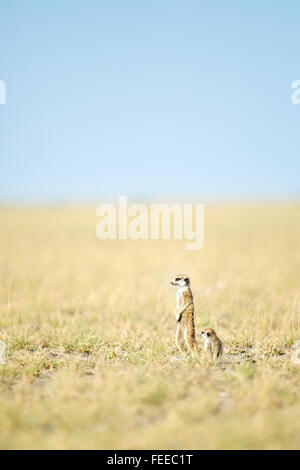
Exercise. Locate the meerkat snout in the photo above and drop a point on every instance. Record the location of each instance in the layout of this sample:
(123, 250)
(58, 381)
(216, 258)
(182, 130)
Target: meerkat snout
(181, 281)
(205, 334)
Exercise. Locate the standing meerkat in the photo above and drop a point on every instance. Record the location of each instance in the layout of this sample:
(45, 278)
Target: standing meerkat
(212, 344)
(184, 314)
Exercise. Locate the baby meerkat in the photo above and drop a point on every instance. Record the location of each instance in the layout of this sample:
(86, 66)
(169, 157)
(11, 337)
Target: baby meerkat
(212, 344)
(184, 314)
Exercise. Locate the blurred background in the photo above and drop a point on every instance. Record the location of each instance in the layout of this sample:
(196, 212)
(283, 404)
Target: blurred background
(158, 100)
(155, 100)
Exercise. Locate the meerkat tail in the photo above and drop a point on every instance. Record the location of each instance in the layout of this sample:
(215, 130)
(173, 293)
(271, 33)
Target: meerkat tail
(196, 349)
(191, 344)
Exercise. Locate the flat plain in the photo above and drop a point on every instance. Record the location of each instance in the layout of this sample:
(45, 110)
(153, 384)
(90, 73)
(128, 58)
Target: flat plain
(89, 332)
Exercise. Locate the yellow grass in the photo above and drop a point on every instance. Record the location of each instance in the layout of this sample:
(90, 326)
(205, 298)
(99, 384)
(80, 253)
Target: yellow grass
(89, 329)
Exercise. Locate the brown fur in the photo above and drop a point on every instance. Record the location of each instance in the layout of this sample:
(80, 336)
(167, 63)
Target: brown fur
(213, 346)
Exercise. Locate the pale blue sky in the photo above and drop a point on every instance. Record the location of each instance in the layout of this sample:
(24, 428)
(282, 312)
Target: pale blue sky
(155, 99)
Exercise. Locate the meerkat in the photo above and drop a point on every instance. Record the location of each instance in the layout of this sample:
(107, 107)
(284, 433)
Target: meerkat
(212, 344)
(184, 314)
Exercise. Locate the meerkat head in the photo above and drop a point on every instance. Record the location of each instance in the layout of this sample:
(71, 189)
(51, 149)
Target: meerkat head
(208, 334)
(181, 280)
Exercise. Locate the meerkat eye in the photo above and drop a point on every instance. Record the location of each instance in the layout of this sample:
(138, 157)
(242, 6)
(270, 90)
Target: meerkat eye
(177, 279)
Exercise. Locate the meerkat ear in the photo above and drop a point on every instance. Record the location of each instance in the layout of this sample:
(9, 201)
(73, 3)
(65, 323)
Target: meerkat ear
(187, 280)
(208, 333)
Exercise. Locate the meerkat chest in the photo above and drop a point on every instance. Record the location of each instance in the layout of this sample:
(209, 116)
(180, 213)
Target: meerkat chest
(179, 298)
(208, 346)
(183, 297)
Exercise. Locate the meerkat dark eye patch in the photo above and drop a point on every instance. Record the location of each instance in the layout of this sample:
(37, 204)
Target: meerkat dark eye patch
(177, 279)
